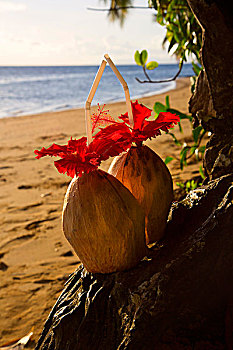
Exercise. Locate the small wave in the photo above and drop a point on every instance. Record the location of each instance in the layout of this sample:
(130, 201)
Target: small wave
(65, 106)
(37, 79)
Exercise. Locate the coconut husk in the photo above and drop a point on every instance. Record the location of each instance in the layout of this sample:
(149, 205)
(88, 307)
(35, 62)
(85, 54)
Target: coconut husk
(147, 177)
(104, 223)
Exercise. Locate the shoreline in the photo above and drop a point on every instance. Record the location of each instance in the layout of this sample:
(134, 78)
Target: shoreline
(61, 109)
(179, 83)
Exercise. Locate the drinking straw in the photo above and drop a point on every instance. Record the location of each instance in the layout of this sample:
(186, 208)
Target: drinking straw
(93, 91)
(125, 87)
(89, 100)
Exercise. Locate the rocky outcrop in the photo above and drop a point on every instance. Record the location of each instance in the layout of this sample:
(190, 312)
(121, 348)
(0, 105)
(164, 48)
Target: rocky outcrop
(178, 297)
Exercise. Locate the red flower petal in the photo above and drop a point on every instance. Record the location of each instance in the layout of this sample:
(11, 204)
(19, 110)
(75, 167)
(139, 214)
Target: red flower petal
(72, 166)
(112, 140)
(140, 113)
(54, 150)
(166, 118)
(79, 145)
(76, 157)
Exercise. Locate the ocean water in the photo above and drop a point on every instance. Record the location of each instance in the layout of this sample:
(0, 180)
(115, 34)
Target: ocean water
(29, 90)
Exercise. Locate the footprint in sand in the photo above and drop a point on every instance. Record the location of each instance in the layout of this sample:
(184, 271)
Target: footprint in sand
(6, 167)
(60, 136)
(34, 224)
(67, 254)
(24, 187)
(18, 239)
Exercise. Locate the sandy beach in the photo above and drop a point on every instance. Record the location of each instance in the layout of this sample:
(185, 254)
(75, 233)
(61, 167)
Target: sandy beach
(35, 258)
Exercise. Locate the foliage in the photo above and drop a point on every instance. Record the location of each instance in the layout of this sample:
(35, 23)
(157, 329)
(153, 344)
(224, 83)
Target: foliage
(188, 185)
(183, 32)
(183, 35)
(192, 150)
(118, 9)
(141, 59)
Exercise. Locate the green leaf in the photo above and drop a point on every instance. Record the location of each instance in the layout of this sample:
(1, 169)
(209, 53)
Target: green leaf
(177, 142)
(202, 149)
(143, 57)
(180, 114)
(177, 35)
(152, 65)
(180, 184)
(196, 132)
(196, 68)
(192, 150)
(172, 43)
(159, 17)
(137, 58)
(183, 155)
(159, 107)
(168, 36)
(167, 102)
(168, 159)
(180, 127)
(201, 171)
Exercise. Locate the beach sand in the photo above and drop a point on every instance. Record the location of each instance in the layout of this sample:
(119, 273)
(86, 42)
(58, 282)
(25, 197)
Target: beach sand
(35, 258)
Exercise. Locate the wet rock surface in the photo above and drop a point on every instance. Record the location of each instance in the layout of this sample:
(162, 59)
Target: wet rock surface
(178, 297)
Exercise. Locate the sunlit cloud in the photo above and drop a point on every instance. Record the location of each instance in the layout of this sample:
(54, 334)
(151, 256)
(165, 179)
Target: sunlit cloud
(9, 6)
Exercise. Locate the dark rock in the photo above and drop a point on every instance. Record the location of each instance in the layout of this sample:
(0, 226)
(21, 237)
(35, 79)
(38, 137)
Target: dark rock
(3, 266)
(176, 298)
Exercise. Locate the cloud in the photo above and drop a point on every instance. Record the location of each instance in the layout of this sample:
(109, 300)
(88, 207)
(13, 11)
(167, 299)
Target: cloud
(9, 6)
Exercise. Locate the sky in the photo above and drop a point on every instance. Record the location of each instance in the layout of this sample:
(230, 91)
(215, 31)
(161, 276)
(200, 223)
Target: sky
(65, 32)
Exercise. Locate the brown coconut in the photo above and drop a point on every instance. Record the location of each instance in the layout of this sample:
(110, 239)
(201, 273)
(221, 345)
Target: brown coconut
(147, 177)
(104, 223)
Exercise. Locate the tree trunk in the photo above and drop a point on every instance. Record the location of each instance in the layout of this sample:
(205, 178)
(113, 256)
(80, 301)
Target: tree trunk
(212, 101)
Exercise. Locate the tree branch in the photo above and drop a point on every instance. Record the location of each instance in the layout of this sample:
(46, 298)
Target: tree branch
(134, 7)
(198, 144)
(149, 80)
(119, 8)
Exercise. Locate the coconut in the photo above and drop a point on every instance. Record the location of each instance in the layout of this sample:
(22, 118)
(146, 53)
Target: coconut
(104, 223)
(147, 177)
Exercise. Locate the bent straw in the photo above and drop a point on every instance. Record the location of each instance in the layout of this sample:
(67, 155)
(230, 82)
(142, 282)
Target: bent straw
(125, 87)
(89, 100)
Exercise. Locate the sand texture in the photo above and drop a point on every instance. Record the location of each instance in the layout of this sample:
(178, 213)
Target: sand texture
(35, 258)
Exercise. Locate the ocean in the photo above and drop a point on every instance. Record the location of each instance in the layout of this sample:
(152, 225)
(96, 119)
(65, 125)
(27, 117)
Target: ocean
(30, 90)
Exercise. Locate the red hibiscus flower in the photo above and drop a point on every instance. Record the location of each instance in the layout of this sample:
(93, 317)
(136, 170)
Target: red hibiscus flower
(77, 157)
(121, 132)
